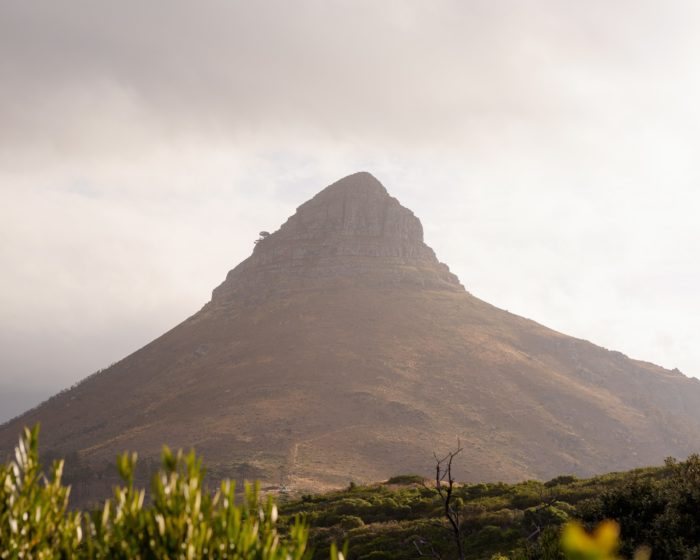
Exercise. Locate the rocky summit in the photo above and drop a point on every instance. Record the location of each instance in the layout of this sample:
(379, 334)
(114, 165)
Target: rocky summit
(352, 231)
(342, 349)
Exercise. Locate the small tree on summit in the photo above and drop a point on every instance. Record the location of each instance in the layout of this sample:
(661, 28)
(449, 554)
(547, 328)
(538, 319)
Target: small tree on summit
(263, 236)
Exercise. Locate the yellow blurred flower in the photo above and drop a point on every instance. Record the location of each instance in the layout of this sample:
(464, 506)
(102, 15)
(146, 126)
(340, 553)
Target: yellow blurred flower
(602, 544)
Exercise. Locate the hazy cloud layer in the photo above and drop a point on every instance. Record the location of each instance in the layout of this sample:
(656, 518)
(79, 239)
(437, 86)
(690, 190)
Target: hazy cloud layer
(550, 149)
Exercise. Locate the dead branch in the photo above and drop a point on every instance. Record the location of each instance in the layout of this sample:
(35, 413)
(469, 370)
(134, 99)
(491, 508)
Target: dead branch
(444, 486)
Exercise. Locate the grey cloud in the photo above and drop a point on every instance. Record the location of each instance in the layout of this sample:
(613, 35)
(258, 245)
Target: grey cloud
(411, 73)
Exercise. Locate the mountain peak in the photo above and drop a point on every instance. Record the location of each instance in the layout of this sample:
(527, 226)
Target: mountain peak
(342, 349)
(351, 229)
(356, 184)
(356, 206)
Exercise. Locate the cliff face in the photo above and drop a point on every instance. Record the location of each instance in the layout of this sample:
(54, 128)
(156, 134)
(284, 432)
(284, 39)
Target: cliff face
(352, 231)
(342, 349)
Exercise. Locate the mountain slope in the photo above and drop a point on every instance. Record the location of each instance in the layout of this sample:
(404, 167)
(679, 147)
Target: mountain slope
(343, 349)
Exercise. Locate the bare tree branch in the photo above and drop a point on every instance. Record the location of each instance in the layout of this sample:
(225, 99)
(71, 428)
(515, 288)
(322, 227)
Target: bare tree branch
(444, 486)
(433, 553)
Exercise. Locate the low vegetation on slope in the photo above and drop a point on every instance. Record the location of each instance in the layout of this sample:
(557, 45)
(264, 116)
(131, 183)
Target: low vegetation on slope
(656, 508)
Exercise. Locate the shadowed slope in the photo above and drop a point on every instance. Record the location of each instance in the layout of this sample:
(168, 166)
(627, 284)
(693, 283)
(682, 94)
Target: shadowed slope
(343, 349)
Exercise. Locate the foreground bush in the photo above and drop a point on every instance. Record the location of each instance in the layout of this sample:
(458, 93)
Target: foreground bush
(33, 518)
(184, 521)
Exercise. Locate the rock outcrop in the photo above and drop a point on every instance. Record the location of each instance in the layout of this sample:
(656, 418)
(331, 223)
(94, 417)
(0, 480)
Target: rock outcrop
(351, 231)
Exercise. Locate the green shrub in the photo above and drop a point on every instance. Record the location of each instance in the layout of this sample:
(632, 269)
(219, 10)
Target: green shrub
(34, 522)
(348, 522)
(184, 520)
(561, 480)
(406, 479)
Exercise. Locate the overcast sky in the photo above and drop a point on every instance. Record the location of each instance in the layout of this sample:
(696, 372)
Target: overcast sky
(550, 148)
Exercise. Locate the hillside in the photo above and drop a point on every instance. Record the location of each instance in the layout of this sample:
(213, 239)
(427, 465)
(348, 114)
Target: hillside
(342, 349)
(643, 513)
